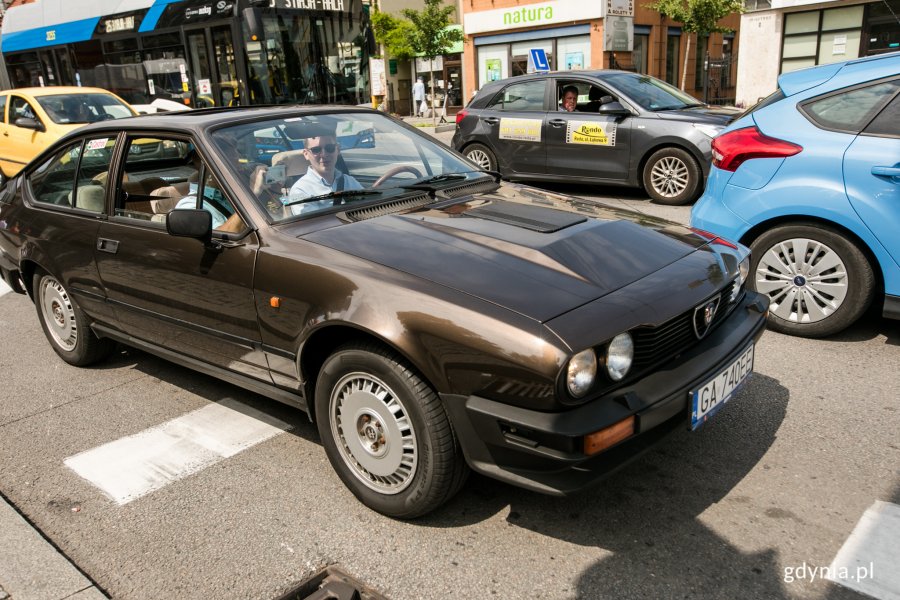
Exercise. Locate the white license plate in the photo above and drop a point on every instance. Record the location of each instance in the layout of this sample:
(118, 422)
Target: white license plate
(711, 396)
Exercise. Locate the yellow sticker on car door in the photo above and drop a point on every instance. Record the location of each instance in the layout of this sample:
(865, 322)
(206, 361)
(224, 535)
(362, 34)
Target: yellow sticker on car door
(523, 130)
(591, 132)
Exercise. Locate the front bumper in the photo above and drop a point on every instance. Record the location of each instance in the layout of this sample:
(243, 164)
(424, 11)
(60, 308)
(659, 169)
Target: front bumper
(543, 451)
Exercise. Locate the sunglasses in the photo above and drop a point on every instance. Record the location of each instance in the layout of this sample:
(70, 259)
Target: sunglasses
(329, 148)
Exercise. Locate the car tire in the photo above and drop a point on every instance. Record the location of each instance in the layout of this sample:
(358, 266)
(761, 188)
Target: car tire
(65, 324)
(818, 294)
(672, 177)
(481, 156)
(399, 456)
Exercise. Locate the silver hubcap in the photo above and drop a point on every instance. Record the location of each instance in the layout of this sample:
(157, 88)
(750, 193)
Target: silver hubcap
(59, 315)
(374, 435)
(480, 158)
(669, 176)
(805, 280)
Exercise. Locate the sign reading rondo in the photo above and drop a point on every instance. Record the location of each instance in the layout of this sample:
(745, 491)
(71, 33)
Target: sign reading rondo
(530, 15)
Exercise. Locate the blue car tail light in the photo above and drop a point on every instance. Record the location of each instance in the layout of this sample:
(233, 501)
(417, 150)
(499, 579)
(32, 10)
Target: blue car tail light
(732, 149)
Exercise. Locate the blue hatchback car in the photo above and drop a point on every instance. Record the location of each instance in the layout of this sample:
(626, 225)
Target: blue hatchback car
(809, 178)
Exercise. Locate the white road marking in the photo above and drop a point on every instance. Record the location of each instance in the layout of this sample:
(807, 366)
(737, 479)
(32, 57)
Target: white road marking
(4, 289)
(868, 560)
(134, 466)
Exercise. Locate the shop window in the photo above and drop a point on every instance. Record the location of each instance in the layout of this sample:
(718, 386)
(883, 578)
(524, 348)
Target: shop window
(519, 51)
(574, 53)
(673, 45)
(640, 56)
(700, 61)
(526, 96)
(821, 36)
(492, 63)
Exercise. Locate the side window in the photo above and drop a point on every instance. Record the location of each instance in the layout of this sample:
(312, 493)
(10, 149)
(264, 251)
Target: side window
(526, 96)
(20, 109)
(93, 174)
(158, 173)
(53, 181)
(213, 200)
(850, 111)
(2, 109)
(888, 121)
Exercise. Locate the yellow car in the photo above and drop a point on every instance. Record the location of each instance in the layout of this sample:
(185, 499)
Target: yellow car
(33, 118)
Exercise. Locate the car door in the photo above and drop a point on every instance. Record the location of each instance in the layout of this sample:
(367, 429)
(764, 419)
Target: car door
(21, 144)
(585, 143)
(177, 292)
(514, 122)
(67, 218)
(872, 176)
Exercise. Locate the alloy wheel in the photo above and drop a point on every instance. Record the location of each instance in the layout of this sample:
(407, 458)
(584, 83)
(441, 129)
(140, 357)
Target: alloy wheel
(669, 176)
(58, 313)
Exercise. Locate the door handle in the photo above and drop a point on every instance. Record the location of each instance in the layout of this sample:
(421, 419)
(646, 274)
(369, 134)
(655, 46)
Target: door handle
(558, 122)
(491, 120)
(105, 245)
(892, 173)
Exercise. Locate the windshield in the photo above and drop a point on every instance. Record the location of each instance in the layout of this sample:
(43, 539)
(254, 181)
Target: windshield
(84, 108)
(650, 92)
(301, 166)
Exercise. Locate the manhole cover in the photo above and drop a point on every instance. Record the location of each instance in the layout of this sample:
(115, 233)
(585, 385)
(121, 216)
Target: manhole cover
(331, 583)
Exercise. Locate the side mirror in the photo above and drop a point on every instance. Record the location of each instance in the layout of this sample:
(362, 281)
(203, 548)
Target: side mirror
(190, 222)
(614, 109)
(26, 123)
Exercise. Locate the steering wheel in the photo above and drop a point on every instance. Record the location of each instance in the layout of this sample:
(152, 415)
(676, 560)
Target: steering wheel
(396, 171)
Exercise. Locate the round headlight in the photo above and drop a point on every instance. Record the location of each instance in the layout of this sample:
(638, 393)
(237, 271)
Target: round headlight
(581, 373)
(619, 356)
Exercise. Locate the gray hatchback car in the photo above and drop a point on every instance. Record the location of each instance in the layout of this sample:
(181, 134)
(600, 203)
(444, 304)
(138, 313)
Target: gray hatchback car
(627, 129)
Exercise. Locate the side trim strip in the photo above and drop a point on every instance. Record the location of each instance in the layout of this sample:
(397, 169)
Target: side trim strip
(248, 383)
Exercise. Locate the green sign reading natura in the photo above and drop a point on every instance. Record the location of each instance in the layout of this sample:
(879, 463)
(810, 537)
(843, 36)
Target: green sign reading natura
(521, 16)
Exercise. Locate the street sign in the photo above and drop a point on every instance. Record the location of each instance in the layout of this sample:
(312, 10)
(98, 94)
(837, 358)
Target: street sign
(537, 61)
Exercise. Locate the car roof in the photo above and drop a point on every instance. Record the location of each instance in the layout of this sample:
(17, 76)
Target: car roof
(201, 119)
(861, 69)
(56, 90)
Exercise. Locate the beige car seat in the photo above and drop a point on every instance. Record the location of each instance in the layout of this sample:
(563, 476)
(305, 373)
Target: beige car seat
(90, 197)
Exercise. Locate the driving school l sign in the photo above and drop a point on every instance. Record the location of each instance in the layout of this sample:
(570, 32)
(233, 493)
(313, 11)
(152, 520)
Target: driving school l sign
(591, 133)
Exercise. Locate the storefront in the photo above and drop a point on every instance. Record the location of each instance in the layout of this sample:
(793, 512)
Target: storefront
(808, 34)
(199, 53)
(573, 34)
(447, 70)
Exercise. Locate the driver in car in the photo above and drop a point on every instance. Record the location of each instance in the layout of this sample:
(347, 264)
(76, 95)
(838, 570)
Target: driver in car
(322, 176)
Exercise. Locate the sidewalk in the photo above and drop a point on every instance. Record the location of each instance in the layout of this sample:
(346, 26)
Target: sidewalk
(443, 132)
(22, 551)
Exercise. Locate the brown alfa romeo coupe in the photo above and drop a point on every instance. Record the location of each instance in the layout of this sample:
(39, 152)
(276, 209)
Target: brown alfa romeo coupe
(429, 317)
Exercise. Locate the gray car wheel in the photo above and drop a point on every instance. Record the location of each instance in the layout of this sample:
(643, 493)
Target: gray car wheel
(671, 176)
(481, 156)
(65, 325)
(817, 281)
(386, 433)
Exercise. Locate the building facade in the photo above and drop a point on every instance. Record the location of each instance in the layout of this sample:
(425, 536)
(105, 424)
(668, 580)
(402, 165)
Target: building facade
(778, 36)
(592, 35)
(196, 52)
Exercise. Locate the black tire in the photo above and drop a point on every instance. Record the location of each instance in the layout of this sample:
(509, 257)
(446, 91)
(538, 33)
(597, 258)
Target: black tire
(401, 457)
(482, 156)
(65, 325)
(672, 177)
(830, 290)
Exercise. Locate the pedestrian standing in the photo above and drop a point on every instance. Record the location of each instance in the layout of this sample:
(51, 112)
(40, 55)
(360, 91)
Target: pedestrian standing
(419, 97)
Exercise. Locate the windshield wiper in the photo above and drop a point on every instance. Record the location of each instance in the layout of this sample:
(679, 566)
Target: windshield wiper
(329, 195)
(428, 182)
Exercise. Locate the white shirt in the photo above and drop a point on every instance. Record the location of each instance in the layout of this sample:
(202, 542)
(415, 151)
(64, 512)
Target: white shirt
(418, 91)
(313, 184)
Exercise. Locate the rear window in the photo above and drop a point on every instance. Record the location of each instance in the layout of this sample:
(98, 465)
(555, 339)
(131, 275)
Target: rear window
(850, 110)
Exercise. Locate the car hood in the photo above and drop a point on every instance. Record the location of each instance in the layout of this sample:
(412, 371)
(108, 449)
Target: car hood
(714, 115)
(534, 252)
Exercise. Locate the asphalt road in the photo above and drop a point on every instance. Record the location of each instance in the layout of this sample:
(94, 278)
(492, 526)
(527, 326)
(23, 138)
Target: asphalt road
(778, 479)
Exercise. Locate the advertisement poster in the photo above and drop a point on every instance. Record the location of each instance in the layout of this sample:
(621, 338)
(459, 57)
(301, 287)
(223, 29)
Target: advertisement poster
(592, 133)
(618, 34)
(574, 60)
(376, 70)
(523, 130)
(493, 69)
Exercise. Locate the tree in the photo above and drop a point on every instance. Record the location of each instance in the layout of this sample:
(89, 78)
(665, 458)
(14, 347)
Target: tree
(697, 16)
(394, 34)
(431, 37)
